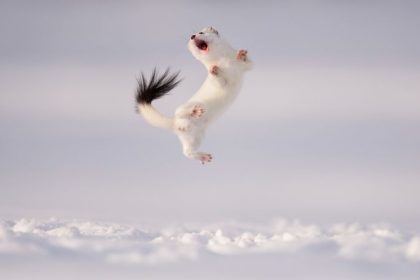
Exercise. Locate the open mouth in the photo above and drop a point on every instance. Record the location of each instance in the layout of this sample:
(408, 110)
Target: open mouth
(201, 44)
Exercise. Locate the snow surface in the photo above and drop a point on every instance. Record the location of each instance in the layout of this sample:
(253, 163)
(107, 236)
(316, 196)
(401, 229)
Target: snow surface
(125, 244)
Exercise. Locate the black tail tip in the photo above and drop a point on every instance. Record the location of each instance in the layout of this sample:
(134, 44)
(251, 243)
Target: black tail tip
(156, 87)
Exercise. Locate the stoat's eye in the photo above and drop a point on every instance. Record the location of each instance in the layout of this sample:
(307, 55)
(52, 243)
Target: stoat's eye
(200, 32)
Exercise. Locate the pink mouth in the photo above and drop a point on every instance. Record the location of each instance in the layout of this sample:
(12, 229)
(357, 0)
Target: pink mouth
(201, 45)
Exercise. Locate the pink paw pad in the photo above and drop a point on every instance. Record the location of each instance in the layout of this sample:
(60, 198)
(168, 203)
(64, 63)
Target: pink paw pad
(197, 111)
(214, 70)
(205, 158)
(242, 55)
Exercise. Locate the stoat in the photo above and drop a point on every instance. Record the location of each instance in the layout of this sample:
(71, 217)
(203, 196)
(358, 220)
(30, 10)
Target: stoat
(226, 67)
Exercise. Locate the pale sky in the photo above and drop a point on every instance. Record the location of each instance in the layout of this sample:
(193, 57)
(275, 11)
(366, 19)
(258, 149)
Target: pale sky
(326, 129)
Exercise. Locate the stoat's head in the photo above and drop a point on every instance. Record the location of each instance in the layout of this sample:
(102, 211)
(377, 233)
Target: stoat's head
(207, 45)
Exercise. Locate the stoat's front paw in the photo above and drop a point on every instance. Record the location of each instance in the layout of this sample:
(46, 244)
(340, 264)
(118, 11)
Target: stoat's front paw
(197, 111)
(214, 70)
(242, 55)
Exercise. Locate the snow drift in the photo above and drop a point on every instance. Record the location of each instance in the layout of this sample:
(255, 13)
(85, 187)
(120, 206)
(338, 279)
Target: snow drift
(126, 244)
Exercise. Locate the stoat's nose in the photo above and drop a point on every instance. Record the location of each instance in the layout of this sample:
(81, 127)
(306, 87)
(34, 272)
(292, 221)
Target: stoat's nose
(192, 37)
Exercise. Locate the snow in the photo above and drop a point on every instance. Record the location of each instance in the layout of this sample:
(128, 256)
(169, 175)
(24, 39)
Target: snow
(127, 244)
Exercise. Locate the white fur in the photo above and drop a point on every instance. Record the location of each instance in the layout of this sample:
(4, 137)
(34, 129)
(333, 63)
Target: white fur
(214, 96)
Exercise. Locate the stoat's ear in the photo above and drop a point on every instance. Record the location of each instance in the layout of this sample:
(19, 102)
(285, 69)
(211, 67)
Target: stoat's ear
(211, 29)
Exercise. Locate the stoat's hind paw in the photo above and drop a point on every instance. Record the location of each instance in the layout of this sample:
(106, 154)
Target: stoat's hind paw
(204, 158)
(214, 70)
(242, 55)
(197, 111)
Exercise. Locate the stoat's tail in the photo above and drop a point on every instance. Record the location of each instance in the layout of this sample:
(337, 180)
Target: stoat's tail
(155, 88)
